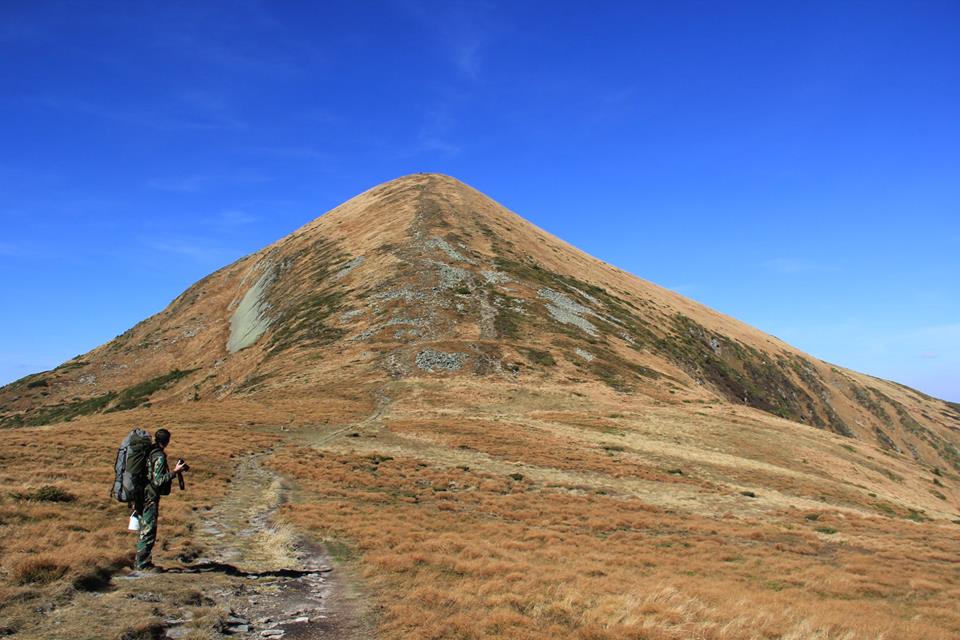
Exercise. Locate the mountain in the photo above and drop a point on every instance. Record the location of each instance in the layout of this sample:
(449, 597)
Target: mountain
(424, 277)
(485, 433)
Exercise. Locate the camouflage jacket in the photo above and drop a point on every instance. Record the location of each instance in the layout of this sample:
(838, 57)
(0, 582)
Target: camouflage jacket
(158, 476)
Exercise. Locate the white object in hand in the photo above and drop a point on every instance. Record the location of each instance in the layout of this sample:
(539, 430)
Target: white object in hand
(134, 523)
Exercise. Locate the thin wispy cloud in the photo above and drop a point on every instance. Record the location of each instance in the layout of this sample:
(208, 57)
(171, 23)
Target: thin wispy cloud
(294, 152)
(234, 218)
(793, 266)
(435, 134)
(197, 183)
(185, 184)
(949, 334)
(195, 249)
(162, 118)
(311, 157)
(463, 30)
(214, 43)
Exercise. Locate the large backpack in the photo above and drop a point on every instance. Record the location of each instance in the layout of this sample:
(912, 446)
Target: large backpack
(131, 466)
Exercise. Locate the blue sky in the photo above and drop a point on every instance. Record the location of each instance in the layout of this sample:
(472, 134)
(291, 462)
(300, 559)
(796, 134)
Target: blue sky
(795, 165)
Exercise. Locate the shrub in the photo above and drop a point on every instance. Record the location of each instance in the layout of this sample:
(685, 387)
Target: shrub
(916, 516)
(37, 570)
(46, 493)
(543, 358)
(150, 630)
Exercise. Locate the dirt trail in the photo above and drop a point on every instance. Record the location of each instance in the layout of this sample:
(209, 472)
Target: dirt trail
(284, 585)
(281, 584)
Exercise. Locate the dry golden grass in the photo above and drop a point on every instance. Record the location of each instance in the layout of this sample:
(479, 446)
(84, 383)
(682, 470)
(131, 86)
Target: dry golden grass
(519, 497)
(54, 554)
(624, 521)
(455, 550)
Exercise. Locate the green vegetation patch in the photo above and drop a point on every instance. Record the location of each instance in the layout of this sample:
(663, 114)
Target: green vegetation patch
(60, 412)
(916, 515)
(303, 316)
(744, 374)
(128, 398)
(254, 382)
(46, 493)
(508, 320)
(25, 381)
(71, 365)
(614, 314)
(869, 400)
(947, 450)
(885, 440)
(543, 358)
(139, 394)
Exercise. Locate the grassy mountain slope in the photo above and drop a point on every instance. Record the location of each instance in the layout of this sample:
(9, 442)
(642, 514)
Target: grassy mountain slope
(494, 435)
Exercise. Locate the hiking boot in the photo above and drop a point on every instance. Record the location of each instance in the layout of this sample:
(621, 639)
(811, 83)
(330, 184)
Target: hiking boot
(149, 568)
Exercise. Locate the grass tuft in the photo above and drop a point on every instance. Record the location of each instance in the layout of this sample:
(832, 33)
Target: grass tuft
(46, 493)
(38, 570)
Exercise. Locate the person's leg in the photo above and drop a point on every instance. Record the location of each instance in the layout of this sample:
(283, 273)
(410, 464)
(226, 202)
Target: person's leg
(148, 535)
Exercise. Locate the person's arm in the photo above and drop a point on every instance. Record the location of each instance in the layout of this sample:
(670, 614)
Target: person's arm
(161, 473)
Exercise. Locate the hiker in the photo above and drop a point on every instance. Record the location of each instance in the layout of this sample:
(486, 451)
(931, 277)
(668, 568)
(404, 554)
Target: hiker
(159, 479)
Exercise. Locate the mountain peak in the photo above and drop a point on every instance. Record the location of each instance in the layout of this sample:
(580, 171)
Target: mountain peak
(424, 278)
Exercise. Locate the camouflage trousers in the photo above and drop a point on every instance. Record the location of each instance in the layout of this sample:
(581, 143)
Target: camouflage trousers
(148, 534)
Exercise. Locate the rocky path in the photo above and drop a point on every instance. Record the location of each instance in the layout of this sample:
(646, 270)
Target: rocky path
(281, 585)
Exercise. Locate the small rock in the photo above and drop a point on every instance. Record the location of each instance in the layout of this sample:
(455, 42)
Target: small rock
(272, 633)
(300, 620)
(234, 620)
(241, 628)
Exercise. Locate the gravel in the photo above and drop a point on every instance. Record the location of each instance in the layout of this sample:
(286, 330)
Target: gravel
(431, 360)
(452, 277)
(566, 310)
(417, 322)
(347, 316)
(406, 294)
(350, 266)
(395, 366)
(443, 245)
(495, 277)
